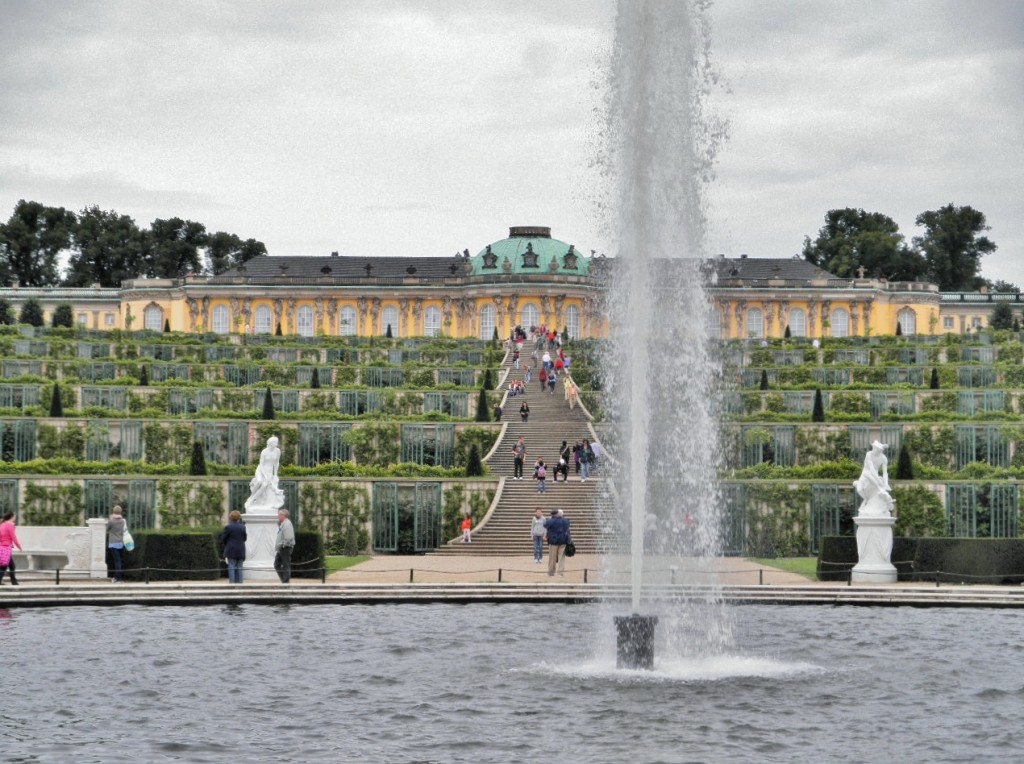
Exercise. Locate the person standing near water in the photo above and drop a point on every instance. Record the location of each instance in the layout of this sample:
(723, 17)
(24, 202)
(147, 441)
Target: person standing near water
(234, 537)
(537, 532)
(8, 540)
(558, 536)
(116, 526)
(283, 546)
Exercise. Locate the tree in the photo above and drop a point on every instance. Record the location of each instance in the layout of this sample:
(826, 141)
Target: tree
(31, 241)
(6, 313)
(1001, 316)
(1002, 286)
(818, 415)
(197, 465)
(488, 383)
(268, 406)
(474, 465)
(483, 413)
(764, 379)
(787, 334)
(899, 329)
(314, 379)
(56, 405)
(1016, 324)
(388, 333)
(953, 247)
(31, 313)
(172, 248)
(933, 384)
(277, 332)
(106, 249)
(144, 376)
(63, 315)
(905, 465)
(167, 325)
(225, 251)
(852, 239)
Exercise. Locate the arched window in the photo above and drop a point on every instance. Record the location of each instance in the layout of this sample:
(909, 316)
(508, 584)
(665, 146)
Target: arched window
(389, 318)
(486, 322)
(908, 321)
(572, 321)
(347, 321)
(263, 320)
(798, 322)
(153, 318)
(304, 319)
(755, 323)
(714, 324)
(221, 319)
(840, 323)
(529, 316)
(431, 321)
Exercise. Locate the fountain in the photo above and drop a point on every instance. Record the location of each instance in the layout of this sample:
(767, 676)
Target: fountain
(660, 148)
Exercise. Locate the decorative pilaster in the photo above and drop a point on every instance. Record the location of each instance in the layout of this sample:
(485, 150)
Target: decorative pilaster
(417, 317)
(332, 315)
(289, 313)
(206, 314)
(726, 319)
(741, 315)
(375, 316)
(318, 315)
(278, 312)
(193, 313)
(812, 318)
(403, 318)
(826, 315)
(769, 319)
(867, 315)
(854, 319)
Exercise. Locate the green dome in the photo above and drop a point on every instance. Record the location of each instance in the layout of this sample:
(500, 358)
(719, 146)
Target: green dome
(529, 250)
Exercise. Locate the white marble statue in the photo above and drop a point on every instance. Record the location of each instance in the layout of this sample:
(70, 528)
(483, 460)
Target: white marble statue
(265, 495)
(874, 487)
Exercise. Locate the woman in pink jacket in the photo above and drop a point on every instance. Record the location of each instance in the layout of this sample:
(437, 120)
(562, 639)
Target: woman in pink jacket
(8, 540)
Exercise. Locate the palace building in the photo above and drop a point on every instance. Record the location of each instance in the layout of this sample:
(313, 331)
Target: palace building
(528, 278)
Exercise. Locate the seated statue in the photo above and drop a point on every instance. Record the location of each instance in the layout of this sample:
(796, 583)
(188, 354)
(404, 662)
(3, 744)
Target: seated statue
(265, 495)
(872, 487)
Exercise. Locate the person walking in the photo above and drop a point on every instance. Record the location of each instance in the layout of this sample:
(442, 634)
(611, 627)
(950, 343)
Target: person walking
(518, 455)
(497, 412)
(543, 377)
(283, 546)
(524, 411)
(564, 455)
(528, 375)
(234, 537)
(540, 474)
(537, 532)
(467, 527)
(552, 380)
(116, 526)
(8, 540)
(577, 450)
(558, 536)
(585, 456)
(595, 450)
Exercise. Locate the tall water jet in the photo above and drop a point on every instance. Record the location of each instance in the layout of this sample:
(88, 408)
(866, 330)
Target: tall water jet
(661, 379)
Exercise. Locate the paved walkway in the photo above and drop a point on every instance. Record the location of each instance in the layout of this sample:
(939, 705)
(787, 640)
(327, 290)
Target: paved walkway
(521, 569)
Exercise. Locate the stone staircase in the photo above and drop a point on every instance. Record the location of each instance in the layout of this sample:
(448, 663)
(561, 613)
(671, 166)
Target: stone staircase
(507, 530)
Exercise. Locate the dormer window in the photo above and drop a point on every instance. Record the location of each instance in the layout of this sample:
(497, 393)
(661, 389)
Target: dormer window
(490, 259)
(570, 259)
(530, 257)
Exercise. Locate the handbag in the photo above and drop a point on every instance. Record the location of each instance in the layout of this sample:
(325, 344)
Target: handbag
(129, 542)
(570, 548)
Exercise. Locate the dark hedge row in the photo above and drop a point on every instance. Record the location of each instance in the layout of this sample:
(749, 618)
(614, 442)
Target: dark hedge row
(949, 560)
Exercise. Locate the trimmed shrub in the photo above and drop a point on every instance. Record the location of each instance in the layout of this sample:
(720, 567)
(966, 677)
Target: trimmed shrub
(31, 313)
(197, 465)
(488, 380)
(970, 561)
(277, 331)
(63, 316)
(934, 383)
(482, 410)
(6, 314)
(268, 406)
(143, 375)
(56, 405)
(314, 380)
(308, 555)
(788, 334)
(904, 465)
(173, 556)
(389, 333)
(474, 465)
(764, 379)
(167, 325)
(837, 556)
(818, 415)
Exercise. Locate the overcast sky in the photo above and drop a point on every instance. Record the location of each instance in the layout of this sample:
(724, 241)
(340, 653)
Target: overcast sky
(429, 127)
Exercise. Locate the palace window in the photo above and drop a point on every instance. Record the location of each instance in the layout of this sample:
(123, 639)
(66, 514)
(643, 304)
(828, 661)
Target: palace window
(947, 322)
(572, 321)
(840, 323)
(153, 318)
(109, 320)
(263, 320)
(798, 322)
(486, 322)
(305, 321)
(755, 323)
(529, 316)
(389, 318)
(221, 319)
(82, 319)
(714, 320)
(347, 321)
(432, 321)
(907, 320)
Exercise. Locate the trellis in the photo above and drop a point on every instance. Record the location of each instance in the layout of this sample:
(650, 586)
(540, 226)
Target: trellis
(382, 376)
(9, 496)
(214, 353)
(886, 402)
(979, 354)
(829, 502)
(860, 442)
(323, 442)
(131, 443)
(912, 355)
(88, 350)
(14, 368)
(97, 370)
(242, 375)
(460, 377)
(286, 401)
(18, 396)
(825, 375)
(109, 397)
(976, 376)
(788, 357)
(356, 402)
(980, 444)
(161, 372)
(32, 347)
(137, 499)
(783, 447)
(904, 375)
(239, 492)
(450, 402)
(752, 377)
(18, 439)
(857, 356)
(304, 375)
(282, 355)
(969, 402)
(802, 402)
(97, 441)
(431, 444)
(189, 400)
(223, 442)
(393, 503)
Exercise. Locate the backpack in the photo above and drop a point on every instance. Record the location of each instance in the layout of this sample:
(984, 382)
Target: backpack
(541, 472)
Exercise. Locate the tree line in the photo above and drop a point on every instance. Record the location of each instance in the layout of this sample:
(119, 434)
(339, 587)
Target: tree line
(947, 253)
(108, 248)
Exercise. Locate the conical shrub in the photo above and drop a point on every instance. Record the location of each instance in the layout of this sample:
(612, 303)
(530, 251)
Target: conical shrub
(904, 465)
(818, 415)
(764, 379)
(56, 405)
(934, 383)
(474, 466)
(197, 465)
(268, 405)
(482, 412)
(314, 381)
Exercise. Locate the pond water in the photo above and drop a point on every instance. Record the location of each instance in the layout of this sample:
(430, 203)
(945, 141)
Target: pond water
(503, 683)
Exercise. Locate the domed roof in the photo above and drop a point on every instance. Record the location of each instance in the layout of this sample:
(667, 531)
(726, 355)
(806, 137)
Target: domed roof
(530, 250)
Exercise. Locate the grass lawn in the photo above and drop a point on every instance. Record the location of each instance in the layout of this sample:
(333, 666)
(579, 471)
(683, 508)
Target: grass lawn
(340, 562)
(804, 566)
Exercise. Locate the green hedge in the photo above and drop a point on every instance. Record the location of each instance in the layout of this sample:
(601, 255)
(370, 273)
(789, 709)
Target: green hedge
(970, 561)
(195, 555)
(838, 555)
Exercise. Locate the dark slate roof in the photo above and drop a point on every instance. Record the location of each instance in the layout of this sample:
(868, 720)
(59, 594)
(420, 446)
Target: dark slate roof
(795, 268)
(343, 268)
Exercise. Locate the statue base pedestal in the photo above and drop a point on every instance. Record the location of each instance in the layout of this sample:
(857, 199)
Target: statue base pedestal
(874, 550)
(261, 535)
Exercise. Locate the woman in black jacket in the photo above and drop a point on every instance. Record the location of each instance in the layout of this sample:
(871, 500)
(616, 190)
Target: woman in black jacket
(233, 537)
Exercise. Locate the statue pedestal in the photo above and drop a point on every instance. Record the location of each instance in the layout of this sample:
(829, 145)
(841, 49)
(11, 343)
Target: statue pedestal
(874, 550)
(261, 535)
